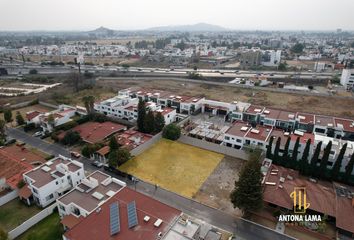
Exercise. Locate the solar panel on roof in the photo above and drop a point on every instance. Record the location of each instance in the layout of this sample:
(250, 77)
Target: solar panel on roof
(132, 215)
(114, 218)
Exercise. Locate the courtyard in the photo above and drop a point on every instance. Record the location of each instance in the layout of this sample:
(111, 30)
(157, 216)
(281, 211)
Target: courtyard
(174, 166)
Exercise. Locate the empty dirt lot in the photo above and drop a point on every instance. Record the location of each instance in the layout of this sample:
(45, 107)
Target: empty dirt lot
(215, 191)
(295, 102)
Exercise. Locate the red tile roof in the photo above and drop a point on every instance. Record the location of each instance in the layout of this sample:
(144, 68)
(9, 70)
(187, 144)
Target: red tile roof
(12, 169)
(260, 133)
(255, 109)
(235, 130)
(271, 113)
(131, 139)
(348, 124)
(306, 118)
(32, 114)
(146, 206)
(94, 132)
(71, 221)
(322, 195)
(21, 153)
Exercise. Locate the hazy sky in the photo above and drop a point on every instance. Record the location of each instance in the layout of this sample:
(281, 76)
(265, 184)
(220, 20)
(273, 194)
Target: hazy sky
(139, 14)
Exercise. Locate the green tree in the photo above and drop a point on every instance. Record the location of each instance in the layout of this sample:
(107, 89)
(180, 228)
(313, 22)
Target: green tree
(2, 130)
(8, 115)
(276, 157)
(89, 102)
(349, 169)
(293, 163)
(19, 119)
(118, 157)
(298, 48)
(113, 144)
(71, 137)
(324, 160)
(304, 162)
(269, 148)
(285, 158)
(315, 158)
(283, 66)
(90, 149)
(141, 115)
(338, 164)
(248, 192)
(51, 120)
(159, 122)
(171, 131)
(149, 122)
(33, 71)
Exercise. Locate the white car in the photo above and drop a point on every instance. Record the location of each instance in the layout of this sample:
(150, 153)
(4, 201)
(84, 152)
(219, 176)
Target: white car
(37, 134)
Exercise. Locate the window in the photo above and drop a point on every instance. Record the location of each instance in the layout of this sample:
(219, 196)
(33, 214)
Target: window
(49, 197)
(227, 138)
(61, 207)
(35, 190)
(238, 140)
(78, 173)
(56, 182)
(260, 144)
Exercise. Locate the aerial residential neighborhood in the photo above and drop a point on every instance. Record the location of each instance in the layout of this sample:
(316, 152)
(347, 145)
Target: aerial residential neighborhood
(176, 120)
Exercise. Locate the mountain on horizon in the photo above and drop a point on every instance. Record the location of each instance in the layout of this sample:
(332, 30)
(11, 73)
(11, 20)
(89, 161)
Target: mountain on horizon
(199, 27)
(102, 31)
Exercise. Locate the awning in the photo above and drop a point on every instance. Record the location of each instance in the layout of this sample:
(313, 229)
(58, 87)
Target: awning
(25, 192)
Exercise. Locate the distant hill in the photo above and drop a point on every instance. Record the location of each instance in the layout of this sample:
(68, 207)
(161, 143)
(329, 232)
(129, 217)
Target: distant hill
(102, 31)
(199, 27)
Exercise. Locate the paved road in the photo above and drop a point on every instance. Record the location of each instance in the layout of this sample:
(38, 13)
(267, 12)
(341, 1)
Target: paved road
(243, 229)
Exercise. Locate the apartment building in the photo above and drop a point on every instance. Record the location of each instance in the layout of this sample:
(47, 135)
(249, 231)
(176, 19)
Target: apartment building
(52, 179)
(88, 195)
(347, 78)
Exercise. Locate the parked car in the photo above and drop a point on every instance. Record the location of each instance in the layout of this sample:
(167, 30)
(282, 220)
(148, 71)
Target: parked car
(75, 154)
(97, 164)
(37, 134)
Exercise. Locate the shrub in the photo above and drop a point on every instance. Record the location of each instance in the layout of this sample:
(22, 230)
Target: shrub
(171, 131)
(33, 71)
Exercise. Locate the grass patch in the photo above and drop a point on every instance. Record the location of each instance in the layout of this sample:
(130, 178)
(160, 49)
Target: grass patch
(48, 228)
(174, 166)
(14, 213)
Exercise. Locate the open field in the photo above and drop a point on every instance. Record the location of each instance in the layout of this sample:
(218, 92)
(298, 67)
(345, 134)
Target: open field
(15, 212)
(174, 166)
(293, 102)
(48, 228)
(215, 191)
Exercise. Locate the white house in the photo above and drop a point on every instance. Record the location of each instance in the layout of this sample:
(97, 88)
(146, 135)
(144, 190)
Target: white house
(49, 181)
(92, 192)
(347, 78)
(60, 116)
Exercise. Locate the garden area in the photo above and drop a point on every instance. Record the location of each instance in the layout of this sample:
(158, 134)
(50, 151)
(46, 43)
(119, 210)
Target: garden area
(14, 213)
(174, 166)
(48, 228)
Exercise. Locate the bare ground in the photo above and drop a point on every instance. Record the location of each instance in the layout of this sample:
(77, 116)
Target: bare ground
(293, 102)
(215, 191)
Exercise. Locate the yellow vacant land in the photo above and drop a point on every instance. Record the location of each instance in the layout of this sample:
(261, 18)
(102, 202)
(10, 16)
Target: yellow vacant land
(174, 166)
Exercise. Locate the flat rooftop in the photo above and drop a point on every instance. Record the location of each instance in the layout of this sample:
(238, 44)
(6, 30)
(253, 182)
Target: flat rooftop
(86, 197)
(42, 174)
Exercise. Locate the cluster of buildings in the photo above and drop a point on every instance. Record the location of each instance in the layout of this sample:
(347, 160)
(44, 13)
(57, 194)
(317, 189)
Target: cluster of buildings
(49, 120)
(83, 201)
